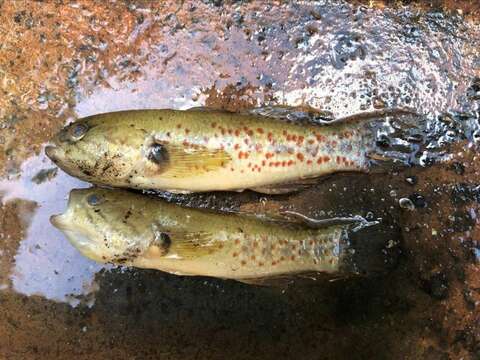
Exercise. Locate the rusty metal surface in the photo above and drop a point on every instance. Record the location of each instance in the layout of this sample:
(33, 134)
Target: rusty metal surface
(62, 60)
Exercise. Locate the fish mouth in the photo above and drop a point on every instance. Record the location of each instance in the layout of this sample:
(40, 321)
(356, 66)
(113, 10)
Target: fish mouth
(59, 221)
(54, 153)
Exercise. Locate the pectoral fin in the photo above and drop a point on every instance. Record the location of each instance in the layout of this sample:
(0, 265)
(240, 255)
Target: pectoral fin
(183, 161)
(190, 245)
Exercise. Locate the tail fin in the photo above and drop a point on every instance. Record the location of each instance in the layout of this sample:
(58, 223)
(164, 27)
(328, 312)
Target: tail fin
(371, 250)
(366, 247)
(396, 139)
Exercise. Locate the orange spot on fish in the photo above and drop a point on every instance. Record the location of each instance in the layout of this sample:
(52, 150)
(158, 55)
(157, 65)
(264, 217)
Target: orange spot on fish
(268, 155)
(311, 141)
(237, 241)
(236, 146)
(179, 126)
(230, 131)
(264, 162)
(214, 125)
(187, 131)
(294, 137)
(292, 257)
(249, 164)
(260, 264)
(243, 262)
(260, 130)
(235, 254)
(290, 162)
(277, 163)
(237, 132)
(284, 163)
(309, 162)
(289, 137)
(300, 156)
(300, 140)
(249, 132)
(338, 159)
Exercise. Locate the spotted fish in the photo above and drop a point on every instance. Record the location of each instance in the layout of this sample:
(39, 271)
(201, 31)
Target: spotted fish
(195, 151)
(120, 227)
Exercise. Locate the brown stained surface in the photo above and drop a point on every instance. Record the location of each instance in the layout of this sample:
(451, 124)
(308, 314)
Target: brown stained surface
(62, 60)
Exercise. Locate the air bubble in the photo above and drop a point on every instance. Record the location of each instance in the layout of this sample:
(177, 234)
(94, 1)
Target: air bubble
(406, 203)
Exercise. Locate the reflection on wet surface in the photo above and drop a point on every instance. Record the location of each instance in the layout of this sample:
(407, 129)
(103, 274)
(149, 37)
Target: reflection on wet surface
(62, 61)
(44, 264)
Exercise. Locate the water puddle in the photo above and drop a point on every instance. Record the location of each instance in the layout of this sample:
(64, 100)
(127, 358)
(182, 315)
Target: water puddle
(45, 263)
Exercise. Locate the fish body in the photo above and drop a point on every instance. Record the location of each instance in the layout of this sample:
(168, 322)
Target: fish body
(115, 226)
(195, 151)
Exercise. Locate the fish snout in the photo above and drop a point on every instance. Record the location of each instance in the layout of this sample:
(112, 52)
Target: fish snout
(58, 221)
(53, 153)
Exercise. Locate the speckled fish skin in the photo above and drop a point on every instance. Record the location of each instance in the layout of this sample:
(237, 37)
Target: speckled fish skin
(116, 226)
(195, 151)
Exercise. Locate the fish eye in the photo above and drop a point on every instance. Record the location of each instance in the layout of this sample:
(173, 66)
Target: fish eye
(78, 131)
(94, 200)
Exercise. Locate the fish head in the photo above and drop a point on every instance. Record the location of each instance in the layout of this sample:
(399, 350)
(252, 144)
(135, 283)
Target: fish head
(98, 150)
(105, 225)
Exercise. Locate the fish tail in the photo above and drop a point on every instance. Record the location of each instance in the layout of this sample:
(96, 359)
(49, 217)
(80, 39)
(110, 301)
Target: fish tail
(364, 247)
(389, 138)
(370, 250)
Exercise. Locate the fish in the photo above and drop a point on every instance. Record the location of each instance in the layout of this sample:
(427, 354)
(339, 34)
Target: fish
(121, 227)
(200, 151)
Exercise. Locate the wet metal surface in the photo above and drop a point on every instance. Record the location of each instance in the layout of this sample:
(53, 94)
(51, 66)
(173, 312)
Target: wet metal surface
(63, 61)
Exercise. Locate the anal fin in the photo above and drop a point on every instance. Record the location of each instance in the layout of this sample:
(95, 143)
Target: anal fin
(286, 188)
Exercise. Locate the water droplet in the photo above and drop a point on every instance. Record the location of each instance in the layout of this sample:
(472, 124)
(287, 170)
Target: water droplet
(406, 203)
